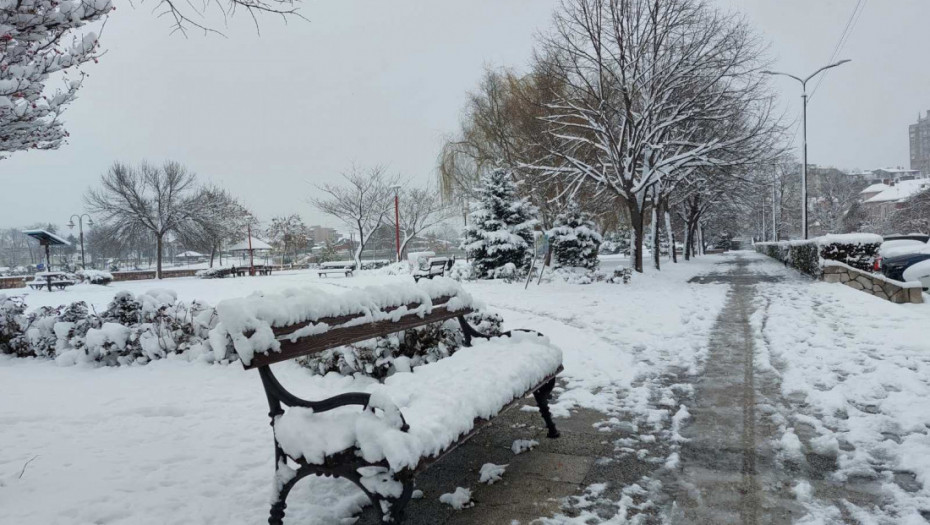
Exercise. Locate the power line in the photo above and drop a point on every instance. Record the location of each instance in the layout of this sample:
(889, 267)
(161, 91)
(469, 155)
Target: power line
(844, 37)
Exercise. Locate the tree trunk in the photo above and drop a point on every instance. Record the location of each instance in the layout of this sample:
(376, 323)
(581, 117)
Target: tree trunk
(700, 235)
(159, 240)
(212, 255)
(656, 249)
(636, 221)
(671, 235)
(689, 239)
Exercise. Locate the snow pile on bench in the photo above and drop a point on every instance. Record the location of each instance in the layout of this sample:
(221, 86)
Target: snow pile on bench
(256, 315)
(440, 402)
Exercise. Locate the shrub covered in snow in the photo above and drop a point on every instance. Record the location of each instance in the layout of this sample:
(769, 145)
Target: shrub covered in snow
(210, 273)
(575, 275)
(461, 271)
(402, 351)
(398, 268)
(131, 330)
(620, 275)
(575, 242)
(94, 276)
(12, 311)
(500, 231)
(858, 250)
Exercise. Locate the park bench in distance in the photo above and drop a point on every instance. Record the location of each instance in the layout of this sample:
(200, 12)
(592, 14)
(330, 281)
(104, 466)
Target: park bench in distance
(442, 404)
(435, 267)
(58, 280)
(344, 267)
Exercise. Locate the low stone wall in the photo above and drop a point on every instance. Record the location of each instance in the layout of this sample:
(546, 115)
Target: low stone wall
(138, 275)
(877, 285)
(12, 282)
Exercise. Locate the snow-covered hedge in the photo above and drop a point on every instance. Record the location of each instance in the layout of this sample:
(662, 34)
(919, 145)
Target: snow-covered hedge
(211, 273)
(94, 276)
(858, 250)
(155, 325)
(400, 352)
(131, 330)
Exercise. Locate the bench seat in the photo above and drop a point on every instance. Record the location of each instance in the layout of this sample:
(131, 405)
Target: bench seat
(440, 402)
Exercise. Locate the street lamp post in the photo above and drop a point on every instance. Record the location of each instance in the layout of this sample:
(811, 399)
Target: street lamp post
(396, 189)
(80, 224)
(804, 133)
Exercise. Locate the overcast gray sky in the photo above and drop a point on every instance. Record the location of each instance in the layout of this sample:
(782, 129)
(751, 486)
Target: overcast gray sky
(381, 81)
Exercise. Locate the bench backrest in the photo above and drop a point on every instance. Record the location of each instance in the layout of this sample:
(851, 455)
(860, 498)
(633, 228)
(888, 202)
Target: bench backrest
(337, 265)
(343, 332)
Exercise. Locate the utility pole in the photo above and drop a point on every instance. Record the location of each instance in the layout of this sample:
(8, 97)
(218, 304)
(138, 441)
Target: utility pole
(804, 134)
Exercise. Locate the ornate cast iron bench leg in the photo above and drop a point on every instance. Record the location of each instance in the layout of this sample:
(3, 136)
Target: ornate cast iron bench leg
(542, 401)
(397, 505)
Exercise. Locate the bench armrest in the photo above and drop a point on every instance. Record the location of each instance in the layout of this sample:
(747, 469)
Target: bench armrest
(277, 394)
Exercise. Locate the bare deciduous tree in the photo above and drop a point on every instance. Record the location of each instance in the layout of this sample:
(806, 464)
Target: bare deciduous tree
(288, 234)
(362, 202)
(654, 90)
(157, 200)
(420, 210)
(219, 219)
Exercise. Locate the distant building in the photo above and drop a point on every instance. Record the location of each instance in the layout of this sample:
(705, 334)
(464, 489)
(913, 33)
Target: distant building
(322, 234)
(886, 175)
(881, 200)
(920, 144)
(894, 174)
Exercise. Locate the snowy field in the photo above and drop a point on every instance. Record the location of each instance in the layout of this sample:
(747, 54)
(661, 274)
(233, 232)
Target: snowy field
(177, 442)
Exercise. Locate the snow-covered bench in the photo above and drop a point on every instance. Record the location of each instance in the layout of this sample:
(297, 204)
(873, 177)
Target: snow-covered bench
(434, 267)
(343, 267)
(406, 423)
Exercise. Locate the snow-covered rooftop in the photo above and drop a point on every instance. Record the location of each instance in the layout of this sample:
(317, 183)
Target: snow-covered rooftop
(902, 190)
(47, 236)
(257, 244)
(881, 186)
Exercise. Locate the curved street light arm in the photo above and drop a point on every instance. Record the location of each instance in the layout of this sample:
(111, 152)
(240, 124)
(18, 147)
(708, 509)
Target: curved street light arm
(824, 68)
(767, 72)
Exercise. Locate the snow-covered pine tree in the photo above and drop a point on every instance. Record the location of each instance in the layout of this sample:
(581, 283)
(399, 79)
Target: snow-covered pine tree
(501, 229)
(575, 242)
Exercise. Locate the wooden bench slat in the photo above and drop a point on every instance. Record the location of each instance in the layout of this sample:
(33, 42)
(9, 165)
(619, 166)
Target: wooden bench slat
(280, 331)
(479, 425)
(340, 336)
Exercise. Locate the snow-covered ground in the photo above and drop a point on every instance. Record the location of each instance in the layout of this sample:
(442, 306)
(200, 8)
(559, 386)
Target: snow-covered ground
(855, 375)
(188, 442)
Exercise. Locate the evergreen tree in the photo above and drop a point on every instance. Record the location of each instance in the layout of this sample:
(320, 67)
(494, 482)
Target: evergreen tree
(575, 242)
(501, 229)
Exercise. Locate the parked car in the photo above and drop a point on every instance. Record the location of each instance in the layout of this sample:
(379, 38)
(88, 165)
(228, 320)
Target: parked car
(896, 245)
(909, 267)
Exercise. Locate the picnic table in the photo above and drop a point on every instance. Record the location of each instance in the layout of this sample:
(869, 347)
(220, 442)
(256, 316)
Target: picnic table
(58, 280)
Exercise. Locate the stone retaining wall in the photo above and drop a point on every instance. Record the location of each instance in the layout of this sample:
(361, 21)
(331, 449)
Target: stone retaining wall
(12, 282)
(877, 285)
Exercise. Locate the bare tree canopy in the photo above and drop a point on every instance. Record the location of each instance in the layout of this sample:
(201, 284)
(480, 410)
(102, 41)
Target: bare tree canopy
(653, 91)
(420, 210)
(219, 219)
(289, 235)
(150, 199)
(362, 202)
(42, 40)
